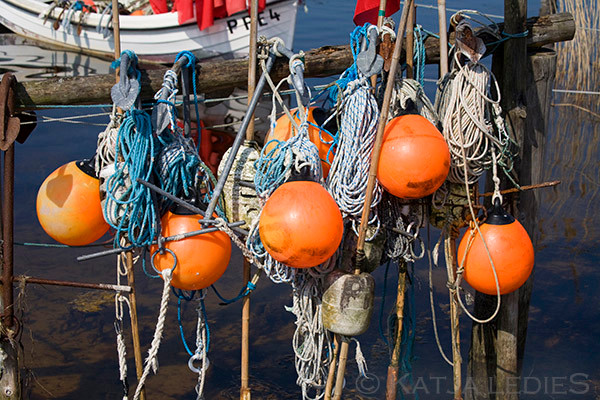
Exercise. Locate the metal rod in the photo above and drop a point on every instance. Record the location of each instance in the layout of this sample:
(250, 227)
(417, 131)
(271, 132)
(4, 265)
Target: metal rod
(189, 206)
(443, 37)
(240, 136)
(8, 191)
(522, 188)
(109, 252)
(83, 285)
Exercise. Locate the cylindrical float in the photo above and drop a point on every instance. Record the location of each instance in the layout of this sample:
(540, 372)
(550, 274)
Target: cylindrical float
(348, 303)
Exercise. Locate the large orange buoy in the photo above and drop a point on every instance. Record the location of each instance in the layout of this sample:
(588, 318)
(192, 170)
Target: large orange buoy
(283, 132)
(68, 205)
(201, 259)
(301, 225)
(510, 249)
(414, 159)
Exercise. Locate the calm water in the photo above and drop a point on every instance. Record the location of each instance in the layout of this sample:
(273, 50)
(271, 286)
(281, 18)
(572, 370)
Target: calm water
(70, 349)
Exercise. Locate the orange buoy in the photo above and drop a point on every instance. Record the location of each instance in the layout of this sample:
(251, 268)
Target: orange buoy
(283, 132)
(301, 225)
(414, 159)
(201, 259)
(68, 205)
(510, 248)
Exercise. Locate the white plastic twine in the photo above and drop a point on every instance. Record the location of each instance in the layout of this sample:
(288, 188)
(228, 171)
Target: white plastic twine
(349, 172)
(107, 143)
(460, 270)
(201, 353)
(152, 359)
(467, 126)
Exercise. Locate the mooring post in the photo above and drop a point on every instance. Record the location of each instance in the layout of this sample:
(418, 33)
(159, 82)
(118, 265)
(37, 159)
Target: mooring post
(514, 85)
(10, 381)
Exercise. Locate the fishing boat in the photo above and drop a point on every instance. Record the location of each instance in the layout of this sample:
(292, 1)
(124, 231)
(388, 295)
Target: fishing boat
(157, 37)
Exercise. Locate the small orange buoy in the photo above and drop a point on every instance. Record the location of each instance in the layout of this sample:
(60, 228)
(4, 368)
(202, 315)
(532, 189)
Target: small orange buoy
(510, 249)
(283, 132)
(301, 225)
(68, 205)
(201, 259)
(414, 159)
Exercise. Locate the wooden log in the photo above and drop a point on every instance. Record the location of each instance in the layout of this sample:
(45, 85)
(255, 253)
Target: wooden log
(218, 76)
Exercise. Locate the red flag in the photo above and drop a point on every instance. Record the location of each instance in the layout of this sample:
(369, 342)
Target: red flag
(367, 10)
(159, 6)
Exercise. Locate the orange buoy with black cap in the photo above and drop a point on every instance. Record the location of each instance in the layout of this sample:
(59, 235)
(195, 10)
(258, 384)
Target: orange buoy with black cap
(414, 159)
(320, 137)
(68, 204)
(201, 259)
(510, 248)
(300, 224)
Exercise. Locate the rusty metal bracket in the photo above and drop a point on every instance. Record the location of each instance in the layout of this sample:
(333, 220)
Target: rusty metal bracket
(10, 122)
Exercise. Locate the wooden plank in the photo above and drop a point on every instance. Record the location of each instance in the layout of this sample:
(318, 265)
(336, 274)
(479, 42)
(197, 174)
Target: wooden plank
(226, 75)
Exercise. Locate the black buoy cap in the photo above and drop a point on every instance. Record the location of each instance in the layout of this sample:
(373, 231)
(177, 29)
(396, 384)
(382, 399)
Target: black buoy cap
(192, 199)
(88, 166)
(497, 215)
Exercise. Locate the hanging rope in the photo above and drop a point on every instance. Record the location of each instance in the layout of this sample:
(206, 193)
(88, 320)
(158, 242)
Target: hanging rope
(152, 359)
(347, 179)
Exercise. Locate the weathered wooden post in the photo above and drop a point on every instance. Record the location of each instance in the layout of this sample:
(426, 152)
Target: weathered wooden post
(527, 82)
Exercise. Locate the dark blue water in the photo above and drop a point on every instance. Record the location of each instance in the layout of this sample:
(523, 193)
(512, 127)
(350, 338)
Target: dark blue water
(70, 348)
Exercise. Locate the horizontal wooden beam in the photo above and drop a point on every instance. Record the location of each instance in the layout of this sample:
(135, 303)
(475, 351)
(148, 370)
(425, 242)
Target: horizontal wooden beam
(226, 75)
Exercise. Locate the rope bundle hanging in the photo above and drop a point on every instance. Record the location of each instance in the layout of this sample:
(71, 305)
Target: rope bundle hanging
(471, 117)
(347, 179)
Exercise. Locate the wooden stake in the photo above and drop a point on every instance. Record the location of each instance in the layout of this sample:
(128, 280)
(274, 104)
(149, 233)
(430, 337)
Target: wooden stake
(331, 375)
(443, 37)
(245, 393)
(362, 233)
(410, 42)
(135, 332)
(451, 265)
(394, 367)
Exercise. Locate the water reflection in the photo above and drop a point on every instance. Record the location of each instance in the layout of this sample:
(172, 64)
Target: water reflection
(69, 339)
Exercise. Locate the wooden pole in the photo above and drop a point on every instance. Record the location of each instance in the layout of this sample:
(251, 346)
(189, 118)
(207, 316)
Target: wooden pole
(394, 367)
(135, 332)
(410, 42)
(443, 37)
(451, 265)
(339, 383)
(221, 75)
(331, 375)
(245, 393)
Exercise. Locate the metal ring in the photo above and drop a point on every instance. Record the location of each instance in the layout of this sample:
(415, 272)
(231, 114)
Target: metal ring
(196, 357)
(157, 252)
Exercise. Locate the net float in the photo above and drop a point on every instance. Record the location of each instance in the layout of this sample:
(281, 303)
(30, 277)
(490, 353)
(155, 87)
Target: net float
(68, 204)
(414, 159)
(510, 248)
(320, 137)
(300, 224)
(201, 259)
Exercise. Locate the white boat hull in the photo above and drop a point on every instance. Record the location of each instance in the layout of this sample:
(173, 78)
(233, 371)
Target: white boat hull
(153, 37)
